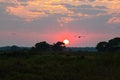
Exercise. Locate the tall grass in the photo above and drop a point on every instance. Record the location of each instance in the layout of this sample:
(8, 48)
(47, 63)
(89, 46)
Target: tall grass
(61, 66)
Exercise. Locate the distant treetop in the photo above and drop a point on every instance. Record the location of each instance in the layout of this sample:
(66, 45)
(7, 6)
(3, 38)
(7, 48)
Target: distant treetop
(111, 45)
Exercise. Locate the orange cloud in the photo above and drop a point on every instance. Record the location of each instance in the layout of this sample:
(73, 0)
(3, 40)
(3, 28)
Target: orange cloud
(65, 19)
(3, 1)
(112, 6)
(82, 15)
(30, 10)
(33, 9)
(22, 12)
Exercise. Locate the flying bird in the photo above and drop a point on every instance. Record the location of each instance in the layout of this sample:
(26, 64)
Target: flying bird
(78, 36)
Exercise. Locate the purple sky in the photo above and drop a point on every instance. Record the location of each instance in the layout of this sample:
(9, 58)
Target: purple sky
(26, 22)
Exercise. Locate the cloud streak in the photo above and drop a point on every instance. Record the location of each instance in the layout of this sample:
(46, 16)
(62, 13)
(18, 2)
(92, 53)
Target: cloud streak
(114, 20)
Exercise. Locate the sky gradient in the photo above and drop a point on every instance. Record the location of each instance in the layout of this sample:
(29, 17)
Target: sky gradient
(83, 22)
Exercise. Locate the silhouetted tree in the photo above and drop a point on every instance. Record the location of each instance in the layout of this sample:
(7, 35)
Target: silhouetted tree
(111, 45)
(59, 46)
(101, 46)
(114, 44)
(42, 46)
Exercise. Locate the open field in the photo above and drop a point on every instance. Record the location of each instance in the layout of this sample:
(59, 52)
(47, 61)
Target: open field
(61, 66)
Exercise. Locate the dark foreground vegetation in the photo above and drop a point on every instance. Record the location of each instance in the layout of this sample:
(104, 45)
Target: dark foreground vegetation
(60, 66)
(56, 62)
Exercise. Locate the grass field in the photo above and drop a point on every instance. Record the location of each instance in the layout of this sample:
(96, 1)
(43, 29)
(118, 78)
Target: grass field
(61, 66)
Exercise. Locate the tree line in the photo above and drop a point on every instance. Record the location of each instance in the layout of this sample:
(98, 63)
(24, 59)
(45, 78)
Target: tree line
(44, 46)
(103, 46)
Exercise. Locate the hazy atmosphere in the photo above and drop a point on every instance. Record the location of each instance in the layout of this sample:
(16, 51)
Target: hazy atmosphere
(82, 22)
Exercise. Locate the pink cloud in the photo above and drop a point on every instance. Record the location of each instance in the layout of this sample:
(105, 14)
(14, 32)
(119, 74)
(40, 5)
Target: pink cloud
(114, 20)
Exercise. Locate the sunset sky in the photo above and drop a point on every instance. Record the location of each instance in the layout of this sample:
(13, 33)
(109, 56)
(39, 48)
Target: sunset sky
(82, 22)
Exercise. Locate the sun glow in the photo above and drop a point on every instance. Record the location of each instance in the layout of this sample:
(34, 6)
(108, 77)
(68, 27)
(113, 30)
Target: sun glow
(66, 41)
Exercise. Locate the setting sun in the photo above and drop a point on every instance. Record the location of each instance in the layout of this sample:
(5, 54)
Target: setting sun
(66, 41)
